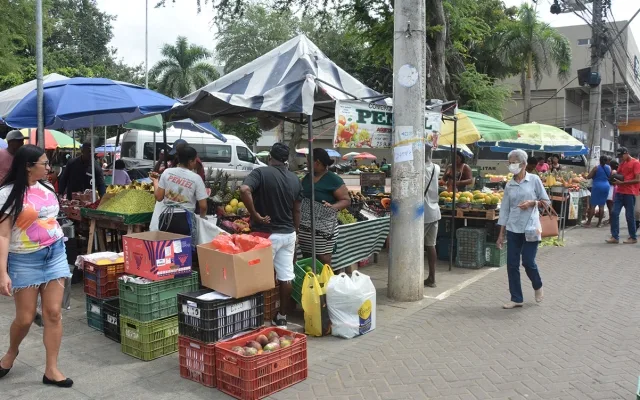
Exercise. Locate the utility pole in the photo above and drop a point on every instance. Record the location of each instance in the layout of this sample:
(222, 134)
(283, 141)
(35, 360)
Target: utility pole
(39, 76)
(616, 133)
(595, 93)
(406, 258)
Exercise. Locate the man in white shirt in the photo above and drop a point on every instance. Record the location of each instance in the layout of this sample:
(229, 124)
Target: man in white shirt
(431, 216)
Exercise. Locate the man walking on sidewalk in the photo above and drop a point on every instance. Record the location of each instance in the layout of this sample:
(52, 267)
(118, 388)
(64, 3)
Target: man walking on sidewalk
(431, 217)
(625, 196)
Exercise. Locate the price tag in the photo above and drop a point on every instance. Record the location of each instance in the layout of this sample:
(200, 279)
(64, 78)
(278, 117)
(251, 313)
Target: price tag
(238, 307)
(191, 311)
(177, 247)
(131, 334)
(95, 309)
(112, 320)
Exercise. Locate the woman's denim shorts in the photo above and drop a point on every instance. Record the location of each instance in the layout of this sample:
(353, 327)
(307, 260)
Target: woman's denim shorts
(40, 267)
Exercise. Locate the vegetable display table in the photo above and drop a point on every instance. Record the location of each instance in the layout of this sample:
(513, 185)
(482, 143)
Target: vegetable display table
(102, 221)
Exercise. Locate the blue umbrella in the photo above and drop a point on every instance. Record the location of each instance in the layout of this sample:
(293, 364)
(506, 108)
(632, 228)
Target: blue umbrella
(87, 102)
(204, 127)
(333, 153)
(110, 148)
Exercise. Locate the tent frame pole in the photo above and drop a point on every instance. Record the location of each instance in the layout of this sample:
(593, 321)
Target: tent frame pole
(454, 162)
(313, 192)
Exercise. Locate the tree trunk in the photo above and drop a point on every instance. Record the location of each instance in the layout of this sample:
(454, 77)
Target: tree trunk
(436, 47)
(527, 90)
(296, 138)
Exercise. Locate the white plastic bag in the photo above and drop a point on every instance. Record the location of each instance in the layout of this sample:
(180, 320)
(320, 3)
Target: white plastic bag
(352, 304)
(533, 229)
(207, 230)
(155, 217)
(367, 310)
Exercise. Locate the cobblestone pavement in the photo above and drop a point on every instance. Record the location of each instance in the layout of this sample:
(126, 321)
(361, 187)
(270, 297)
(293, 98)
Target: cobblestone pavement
(580, 343)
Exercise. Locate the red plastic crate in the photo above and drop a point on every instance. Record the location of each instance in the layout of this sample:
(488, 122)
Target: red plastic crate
(101, 281)
(271, 302)
(197, 361)
(256, 377)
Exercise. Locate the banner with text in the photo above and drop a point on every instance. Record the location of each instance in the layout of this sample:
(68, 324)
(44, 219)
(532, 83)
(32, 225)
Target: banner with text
(367, 125)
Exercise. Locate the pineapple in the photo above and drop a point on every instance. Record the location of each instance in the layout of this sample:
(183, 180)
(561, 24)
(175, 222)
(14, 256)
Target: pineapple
(227, 197)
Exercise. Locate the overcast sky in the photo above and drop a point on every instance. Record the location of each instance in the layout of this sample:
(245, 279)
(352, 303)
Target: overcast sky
(166, 24)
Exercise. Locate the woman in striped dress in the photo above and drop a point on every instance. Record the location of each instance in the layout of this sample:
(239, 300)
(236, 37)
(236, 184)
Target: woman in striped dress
(331, 192)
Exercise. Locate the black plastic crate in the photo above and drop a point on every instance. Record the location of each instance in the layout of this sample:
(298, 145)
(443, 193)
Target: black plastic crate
(470, 249)
(111, 319)
(212, 320)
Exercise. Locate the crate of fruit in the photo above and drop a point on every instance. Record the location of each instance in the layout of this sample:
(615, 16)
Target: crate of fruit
(154, 300)
(261, 363)
(101, 281)
(271, 302)
(94, 312)
(203, 317)
(149, 340)
(197, 361)
(111, 319)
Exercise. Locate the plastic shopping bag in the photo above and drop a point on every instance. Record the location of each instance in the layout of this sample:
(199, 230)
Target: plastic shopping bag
(367, 310)
(314, 304)
(325, 276)
(207, 230)
(533, 229)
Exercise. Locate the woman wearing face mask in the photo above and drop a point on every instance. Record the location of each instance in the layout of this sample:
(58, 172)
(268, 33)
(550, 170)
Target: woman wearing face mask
(522, 193)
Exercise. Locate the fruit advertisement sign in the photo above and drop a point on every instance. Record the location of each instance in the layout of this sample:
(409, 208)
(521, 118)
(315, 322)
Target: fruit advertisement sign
(363, 125)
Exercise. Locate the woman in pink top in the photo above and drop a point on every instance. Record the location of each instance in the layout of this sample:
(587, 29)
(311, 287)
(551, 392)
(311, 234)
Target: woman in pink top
(542, 166)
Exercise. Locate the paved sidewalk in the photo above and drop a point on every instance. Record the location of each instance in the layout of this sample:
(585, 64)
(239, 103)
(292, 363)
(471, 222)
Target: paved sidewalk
(581, 343)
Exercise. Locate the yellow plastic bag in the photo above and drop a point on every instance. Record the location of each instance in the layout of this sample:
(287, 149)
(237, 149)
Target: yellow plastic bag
(314, 304)
(324, 277)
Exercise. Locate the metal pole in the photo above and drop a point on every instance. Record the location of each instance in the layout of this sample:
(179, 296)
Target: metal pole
(164, 141)
(454, 167)
(146, 44)
(93, 164)
(39, 73)
(73, 136)
(313, 193)
(595, 92)
(406, 258)
(616, 133)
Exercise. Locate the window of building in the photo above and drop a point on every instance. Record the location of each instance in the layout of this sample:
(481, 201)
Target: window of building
(584, 42)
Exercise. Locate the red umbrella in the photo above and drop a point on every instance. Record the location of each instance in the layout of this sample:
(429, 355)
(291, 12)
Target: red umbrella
(365, 156)
(52, 139)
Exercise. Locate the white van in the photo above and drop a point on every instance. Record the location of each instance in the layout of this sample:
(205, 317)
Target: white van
(232, 156)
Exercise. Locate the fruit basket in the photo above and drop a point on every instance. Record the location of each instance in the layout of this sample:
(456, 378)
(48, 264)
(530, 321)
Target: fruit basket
(252, 377)
(212, 320)
(463, 206)
(490, 206)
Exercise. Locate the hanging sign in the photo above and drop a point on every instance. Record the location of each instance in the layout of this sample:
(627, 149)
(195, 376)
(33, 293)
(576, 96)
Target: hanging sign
(362, 125)
(367, 125)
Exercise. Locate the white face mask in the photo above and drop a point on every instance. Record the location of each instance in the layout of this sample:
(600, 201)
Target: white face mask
(515, 168)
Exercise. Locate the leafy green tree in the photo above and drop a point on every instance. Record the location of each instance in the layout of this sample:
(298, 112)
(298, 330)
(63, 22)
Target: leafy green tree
(183, 68)
(480, 93)
(248, 131)
(536, 49)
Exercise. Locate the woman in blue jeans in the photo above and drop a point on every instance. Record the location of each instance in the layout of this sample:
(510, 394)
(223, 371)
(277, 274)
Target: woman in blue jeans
(522, 193)
(32, 258)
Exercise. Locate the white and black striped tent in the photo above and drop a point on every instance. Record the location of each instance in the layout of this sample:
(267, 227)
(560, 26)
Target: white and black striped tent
(293, 79)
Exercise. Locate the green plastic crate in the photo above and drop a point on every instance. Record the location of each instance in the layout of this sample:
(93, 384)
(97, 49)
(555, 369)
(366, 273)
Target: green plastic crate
(496, 257)
(149, 340)
(94, 313)
(470, 247)
(152, 301)
(638, 391)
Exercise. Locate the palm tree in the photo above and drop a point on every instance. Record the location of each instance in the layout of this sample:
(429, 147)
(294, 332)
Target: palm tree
(183, 69)
(535, 48)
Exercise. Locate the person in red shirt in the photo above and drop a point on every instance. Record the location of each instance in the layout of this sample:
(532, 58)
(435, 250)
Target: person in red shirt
(625, 196)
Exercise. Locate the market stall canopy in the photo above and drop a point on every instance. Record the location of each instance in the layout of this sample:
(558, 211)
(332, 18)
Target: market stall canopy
(203, 127)
(475, 127)
(350, 155)
(52, 139)
(77, 103)
(542, 137)
(365, 156)
(109, 148)
(11, 97)
(151, 124)
(462, 147)
(292, 79)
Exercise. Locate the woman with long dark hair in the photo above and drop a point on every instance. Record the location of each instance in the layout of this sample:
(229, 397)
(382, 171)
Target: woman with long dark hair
(33, 260)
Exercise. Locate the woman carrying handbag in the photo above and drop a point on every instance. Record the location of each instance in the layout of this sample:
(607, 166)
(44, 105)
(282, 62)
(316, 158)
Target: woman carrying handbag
(522, 195)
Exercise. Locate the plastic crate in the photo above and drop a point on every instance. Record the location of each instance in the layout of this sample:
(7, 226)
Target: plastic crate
(470, 249)
(495, 257)
(197, 361)
(94, 312)
(442, 248)
(111, 319)
(101, 281)
(271, 302)
(256, 377)
(299, 271)
(149, 340)
(151, 301)
(211, 320)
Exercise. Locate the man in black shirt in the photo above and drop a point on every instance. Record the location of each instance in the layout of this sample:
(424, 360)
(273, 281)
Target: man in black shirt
(76, 176)
(272, 195)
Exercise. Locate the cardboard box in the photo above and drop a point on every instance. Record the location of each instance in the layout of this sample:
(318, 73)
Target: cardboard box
(157, 255)
(236, 275)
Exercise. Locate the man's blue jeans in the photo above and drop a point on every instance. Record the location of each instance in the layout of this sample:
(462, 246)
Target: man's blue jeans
(518, 247)
(628, 201)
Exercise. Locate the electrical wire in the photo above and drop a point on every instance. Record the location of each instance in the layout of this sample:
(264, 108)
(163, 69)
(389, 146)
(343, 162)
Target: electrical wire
(538, 105)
